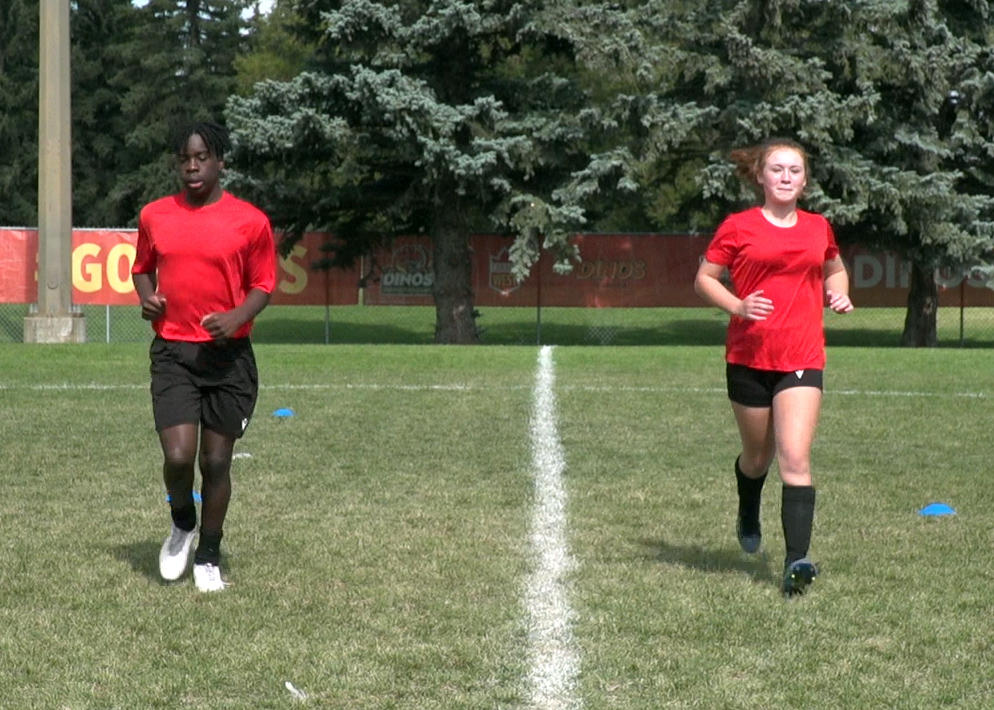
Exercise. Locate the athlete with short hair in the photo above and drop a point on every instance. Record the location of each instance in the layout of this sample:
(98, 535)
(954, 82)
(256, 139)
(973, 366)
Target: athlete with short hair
(204, 269)
(785, 269)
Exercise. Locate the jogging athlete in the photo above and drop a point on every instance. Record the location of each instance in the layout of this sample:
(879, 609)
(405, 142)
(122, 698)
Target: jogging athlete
(785, 269)
(204, 269)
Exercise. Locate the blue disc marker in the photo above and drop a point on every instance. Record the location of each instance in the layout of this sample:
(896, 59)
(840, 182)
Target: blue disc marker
(283, 412)
(196, 498)
(933, 509)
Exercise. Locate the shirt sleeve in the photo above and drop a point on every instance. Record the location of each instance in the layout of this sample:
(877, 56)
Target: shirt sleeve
(262, 259)
(832, 248)
(724, 244)
(144, 251)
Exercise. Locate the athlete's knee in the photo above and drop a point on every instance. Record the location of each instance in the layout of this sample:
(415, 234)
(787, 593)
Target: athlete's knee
(177, 457)
(754, 460)
(179, 448)
(795, 470)
(215, 465)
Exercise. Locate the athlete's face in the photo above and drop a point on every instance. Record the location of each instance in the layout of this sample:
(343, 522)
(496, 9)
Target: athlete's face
(200, 171)
(783, 176)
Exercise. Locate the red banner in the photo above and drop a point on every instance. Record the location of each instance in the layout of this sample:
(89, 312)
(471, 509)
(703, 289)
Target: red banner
(299, 282)
(403, 274)
(616, 270)
(101, 267)
(18, 265)
(102, 261)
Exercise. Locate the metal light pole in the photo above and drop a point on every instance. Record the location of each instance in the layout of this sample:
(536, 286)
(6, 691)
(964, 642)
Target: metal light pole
(54, 321)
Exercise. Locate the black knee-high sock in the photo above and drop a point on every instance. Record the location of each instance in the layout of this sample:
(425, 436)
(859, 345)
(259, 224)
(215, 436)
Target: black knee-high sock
(185, 516)
(208, 547)
(750, 496)
(797, 515)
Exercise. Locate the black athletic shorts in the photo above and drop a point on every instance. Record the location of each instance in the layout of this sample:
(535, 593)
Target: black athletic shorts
(756, 388)
(212, 384)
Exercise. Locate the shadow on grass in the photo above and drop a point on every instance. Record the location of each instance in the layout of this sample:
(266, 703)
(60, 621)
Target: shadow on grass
(290, 331)
(674, 333)
(677, 332)
(883, 338)
(142, 556)
(686, 332)
(559, 334)
(757, 567)
(415, 325)
(862, 337)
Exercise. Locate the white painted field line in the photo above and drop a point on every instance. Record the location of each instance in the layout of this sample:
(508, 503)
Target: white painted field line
(554, 660)
(456, 387)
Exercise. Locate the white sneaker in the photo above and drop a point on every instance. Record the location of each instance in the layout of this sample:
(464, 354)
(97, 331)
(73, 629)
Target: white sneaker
(207, 577)
(175, 553)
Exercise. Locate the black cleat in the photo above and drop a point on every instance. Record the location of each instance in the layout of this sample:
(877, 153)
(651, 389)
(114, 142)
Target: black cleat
(750, 536)
(797, 576)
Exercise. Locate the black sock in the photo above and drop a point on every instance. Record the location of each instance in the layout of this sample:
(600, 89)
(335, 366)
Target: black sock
(750, 496)
(185, 518)
(797, 515)
(208, 547)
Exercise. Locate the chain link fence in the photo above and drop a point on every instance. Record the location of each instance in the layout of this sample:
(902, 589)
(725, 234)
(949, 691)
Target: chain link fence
(104, 324)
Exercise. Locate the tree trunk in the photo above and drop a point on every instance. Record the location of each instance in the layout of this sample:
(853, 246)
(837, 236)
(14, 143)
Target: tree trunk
(455, 316)
(923, 306)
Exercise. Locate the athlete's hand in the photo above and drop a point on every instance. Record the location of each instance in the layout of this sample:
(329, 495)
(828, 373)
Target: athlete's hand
(222, 325)
(154, 307)
(755, 306)
(838, 302)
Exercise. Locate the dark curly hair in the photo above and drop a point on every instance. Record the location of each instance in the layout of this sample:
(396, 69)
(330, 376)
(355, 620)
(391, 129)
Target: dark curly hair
(215, 137)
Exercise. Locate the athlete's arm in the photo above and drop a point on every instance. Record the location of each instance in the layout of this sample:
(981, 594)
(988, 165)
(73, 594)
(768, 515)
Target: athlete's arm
(837, 286)
(224, 324)
(708, 286)
(153, 305)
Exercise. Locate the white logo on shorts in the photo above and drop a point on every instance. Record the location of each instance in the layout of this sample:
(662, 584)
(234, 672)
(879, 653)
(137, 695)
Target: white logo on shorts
(244, 424)
(799, 373)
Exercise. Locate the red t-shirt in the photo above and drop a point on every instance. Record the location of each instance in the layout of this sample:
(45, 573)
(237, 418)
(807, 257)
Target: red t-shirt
(206, 258)
(787, 263)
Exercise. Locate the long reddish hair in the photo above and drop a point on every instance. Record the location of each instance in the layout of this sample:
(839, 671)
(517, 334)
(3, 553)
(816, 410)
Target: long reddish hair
(749, 162)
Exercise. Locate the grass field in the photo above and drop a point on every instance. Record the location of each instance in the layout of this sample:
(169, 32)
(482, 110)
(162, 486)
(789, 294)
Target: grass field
(380, 541)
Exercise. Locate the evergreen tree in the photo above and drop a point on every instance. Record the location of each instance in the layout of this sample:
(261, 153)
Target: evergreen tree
(889, 97)
(135, 72)
(174, 63)
(101, 29)
(277, 48)
(438, 118)
(19, 113)
(921, 171)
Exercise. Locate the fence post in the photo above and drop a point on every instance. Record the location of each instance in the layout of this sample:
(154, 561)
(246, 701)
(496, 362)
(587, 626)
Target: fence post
(538, 299)
(962, 304)
(327, 306)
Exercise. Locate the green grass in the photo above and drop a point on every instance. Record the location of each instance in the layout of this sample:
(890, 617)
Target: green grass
(377, 544)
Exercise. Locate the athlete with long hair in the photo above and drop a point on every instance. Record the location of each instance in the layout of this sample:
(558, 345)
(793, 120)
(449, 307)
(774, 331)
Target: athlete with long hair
(785, 269)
